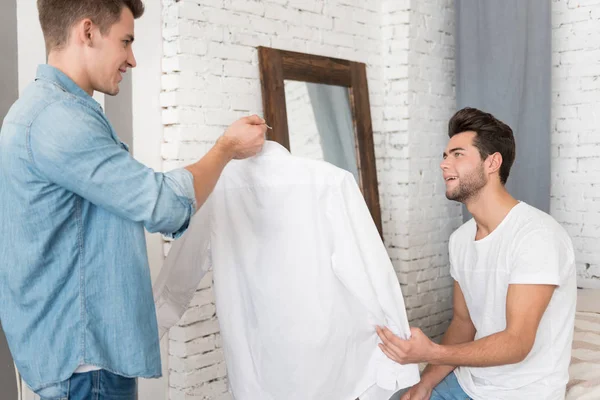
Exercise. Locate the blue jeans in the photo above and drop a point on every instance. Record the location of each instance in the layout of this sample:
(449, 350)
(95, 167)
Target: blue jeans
(449, 389)
(94, 385)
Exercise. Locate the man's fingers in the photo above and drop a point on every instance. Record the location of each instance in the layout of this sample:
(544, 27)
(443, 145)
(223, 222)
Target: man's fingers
(254, 120)
(392, 341)
(393, 353)
(261, 129)
(415, 332)
(385, 334)
(388, 353)
(390, 335)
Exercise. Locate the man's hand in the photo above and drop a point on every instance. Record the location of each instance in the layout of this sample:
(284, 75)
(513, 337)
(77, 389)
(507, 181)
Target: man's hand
(417, 349)
(244, 138)
(420, 391)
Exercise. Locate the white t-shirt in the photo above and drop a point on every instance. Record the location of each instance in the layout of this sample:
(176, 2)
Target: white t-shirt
(528, 247)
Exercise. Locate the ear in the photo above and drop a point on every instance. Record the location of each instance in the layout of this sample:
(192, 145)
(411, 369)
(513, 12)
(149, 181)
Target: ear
(84, 31)
(494, 162)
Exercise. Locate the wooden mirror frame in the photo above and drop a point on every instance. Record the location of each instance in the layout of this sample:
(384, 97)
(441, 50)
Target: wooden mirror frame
(277, 65)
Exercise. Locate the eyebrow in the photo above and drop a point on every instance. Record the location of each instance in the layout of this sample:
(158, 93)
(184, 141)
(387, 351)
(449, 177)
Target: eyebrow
(452, 151)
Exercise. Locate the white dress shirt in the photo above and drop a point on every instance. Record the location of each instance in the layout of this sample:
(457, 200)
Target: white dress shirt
(301, 278)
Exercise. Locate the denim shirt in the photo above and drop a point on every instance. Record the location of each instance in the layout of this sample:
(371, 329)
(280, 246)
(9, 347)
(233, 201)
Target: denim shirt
(74, 278)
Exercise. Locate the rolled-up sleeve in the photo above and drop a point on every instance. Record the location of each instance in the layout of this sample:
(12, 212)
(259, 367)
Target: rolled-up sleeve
(72, 146)
(181, 182)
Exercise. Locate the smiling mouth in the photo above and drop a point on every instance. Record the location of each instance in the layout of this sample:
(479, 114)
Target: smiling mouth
(451, 178)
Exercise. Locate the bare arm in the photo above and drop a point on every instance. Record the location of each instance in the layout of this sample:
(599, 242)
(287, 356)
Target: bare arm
(525, 306)
(461, 330)
(244, 138)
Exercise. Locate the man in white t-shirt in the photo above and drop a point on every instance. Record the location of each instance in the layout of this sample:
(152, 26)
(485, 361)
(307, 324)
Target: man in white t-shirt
(514, 290)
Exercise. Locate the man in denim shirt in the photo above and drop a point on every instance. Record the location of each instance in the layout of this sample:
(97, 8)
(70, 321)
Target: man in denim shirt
(75, 293)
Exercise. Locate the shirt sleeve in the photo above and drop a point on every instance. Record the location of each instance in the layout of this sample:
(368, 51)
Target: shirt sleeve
(537, 259)
(187, 263)
(74, 148)
(362, 264)
(453, 273)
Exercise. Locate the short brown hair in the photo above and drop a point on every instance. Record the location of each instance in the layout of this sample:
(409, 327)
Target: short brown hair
(57, 17)
(492, 136)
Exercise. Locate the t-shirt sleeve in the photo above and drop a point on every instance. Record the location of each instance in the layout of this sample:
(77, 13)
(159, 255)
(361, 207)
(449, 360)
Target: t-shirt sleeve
(451, 252)
(537, 259)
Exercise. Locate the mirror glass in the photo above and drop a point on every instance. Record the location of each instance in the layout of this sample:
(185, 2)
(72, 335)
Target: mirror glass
(320, 123)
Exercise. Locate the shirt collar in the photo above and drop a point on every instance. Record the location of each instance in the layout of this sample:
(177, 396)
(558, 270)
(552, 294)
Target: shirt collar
(273, 148)
(57, 77)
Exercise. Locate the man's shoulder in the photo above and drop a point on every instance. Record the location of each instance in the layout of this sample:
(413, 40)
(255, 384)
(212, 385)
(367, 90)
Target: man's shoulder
(534, 228)
(530, 219)
(40, 99)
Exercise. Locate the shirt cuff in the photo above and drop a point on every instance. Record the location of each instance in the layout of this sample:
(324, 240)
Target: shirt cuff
(181, 181)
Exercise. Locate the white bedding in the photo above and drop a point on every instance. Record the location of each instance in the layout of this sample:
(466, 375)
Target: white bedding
(584, 372)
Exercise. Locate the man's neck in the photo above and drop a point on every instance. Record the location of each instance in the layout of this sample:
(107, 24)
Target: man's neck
(65, 62)
(489, 208)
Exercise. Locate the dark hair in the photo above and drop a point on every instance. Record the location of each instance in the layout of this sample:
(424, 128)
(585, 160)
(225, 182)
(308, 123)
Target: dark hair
(492, 136)
(57, 17)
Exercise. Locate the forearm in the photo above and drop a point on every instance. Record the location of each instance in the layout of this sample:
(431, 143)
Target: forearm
(456, 334)
(208, 169)
(501, 348)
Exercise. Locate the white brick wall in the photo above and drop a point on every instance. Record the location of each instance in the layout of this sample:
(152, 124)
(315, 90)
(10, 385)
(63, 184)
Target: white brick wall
(210, 78)
(575, 192)
(418, 49)
(432, 218)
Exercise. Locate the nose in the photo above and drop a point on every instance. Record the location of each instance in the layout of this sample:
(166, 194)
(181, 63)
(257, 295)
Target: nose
(131, 59)
(444, 164)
